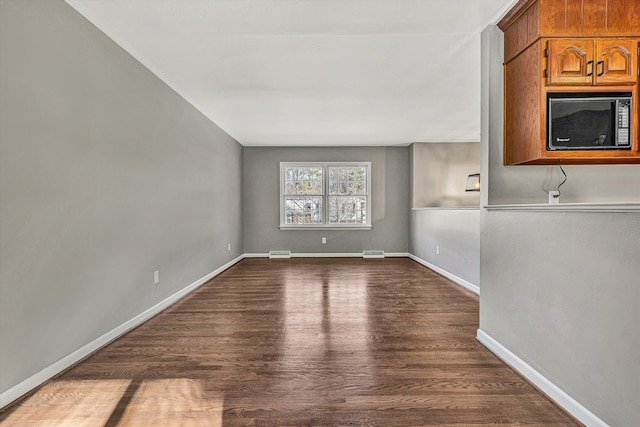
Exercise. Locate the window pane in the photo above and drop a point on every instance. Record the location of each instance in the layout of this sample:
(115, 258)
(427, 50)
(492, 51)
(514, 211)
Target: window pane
(348, 180)
(347, 210)
(303, 181)
(304, 201)
(303, 210)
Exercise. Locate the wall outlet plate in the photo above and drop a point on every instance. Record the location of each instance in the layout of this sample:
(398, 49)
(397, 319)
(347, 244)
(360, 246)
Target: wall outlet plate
(554, 197)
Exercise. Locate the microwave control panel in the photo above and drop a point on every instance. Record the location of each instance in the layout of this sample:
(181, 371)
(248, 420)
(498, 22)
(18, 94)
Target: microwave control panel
(624, 109)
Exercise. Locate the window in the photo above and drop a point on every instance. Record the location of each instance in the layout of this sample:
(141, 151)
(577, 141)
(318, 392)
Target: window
(325, 195)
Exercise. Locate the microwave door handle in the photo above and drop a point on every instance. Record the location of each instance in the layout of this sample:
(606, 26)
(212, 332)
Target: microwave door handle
(601, 66)
(590, 68)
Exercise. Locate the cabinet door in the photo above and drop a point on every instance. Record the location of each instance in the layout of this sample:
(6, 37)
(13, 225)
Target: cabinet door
(570, 62)
(616, 62)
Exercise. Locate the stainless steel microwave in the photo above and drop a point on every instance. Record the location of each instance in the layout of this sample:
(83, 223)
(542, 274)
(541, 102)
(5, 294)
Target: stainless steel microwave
(589, 121)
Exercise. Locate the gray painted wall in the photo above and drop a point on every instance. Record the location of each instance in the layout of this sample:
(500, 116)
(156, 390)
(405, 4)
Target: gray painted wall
(440, 172)
(390, 201)
(560, 289)
(457, 234)
(106, 175)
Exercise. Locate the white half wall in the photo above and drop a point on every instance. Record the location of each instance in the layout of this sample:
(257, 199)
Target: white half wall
(448, 239)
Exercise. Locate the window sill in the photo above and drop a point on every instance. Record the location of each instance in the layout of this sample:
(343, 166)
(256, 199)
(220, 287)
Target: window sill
(325, 227)
(447, 208)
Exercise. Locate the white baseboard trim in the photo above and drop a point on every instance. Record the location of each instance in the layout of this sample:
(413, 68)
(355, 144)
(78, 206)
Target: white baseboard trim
(256, 255)
(550, 389)
(328, 255)
(459, 280)
(396, 255)
(54, 369)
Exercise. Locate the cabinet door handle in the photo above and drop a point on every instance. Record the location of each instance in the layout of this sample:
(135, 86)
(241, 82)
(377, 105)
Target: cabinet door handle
(590, 68)
(601, 65)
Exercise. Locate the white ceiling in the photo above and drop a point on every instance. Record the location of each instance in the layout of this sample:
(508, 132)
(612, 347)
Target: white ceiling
(314, 72)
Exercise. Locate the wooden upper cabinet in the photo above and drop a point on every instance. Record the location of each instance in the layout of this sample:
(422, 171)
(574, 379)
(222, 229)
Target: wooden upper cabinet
(530, 20)
(563, 46)
(588, 62)
(616, 62)
(594, 16)
(623, 17)
(589, 17)
(570, 62)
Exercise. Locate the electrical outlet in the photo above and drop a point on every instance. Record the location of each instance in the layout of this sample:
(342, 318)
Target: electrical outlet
(156, 276)
(324, 240)
(437, 250)
(229, 247)
(554, 197)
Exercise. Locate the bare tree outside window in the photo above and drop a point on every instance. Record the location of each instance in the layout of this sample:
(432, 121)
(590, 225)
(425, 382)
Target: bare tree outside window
(303, 189)
(347, 195)
(325, 194)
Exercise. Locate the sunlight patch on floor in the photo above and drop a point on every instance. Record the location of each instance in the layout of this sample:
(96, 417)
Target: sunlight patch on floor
(173, 401)
(178, 401)
(77, 403)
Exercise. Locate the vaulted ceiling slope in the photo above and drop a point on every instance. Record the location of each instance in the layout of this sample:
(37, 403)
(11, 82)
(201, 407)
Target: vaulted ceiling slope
(314, 72)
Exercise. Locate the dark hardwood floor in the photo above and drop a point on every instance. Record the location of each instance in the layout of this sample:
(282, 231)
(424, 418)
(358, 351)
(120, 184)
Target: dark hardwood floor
(299, 342)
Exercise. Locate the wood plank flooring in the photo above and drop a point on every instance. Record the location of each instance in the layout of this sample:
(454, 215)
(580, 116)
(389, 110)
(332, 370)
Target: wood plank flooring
(300, 342)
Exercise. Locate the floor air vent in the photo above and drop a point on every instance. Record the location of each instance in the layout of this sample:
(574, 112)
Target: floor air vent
(372, 254)
(279, 254)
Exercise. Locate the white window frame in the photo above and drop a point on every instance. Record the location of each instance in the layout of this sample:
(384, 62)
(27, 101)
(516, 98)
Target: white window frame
(325, 197)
